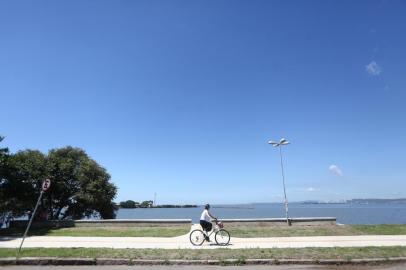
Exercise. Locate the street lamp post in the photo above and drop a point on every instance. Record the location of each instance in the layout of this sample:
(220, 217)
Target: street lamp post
(279, 145)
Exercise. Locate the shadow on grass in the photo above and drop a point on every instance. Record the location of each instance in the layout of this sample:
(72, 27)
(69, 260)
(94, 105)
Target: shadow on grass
(19, 232)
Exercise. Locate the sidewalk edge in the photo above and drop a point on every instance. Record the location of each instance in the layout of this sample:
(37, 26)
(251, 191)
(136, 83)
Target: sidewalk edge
(118, 261)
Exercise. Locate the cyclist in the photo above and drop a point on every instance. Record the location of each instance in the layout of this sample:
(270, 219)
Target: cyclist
(205, 221)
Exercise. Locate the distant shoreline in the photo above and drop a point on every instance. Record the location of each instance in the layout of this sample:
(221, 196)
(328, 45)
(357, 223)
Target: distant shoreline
(360, 201)
(162, 206)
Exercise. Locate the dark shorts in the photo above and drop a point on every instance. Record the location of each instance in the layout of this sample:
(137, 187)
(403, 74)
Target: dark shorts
(206, 225)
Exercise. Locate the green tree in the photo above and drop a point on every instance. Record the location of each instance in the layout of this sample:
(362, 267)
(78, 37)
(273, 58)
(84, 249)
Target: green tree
(146, 204)
(27, 171)
(80, 187)
(4, 155)
(4, 172)
(129, 204)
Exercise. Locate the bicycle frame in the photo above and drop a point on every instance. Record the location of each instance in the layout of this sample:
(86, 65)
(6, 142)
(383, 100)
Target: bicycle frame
(198, 236)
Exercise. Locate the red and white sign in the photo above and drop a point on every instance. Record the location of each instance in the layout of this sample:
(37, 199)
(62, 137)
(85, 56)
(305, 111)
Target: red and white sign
(46, 185)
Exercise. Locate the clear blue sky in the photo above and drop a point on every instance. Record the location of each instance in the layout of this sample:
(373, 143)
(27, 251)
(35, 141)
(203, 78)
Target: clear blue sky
(181, 97)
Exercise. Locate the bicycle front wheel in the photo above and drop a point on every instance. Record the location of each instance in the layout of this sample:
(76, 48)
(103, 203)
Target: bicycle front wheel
(222, 237)
(197, 237)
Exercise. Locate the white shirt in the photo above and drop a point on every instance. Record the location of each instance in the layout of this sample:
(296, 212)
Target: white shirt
(205, 216)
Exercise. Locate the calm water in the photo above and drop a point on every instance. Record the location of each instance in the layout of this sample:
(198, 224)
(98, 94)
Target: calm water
(345, 213)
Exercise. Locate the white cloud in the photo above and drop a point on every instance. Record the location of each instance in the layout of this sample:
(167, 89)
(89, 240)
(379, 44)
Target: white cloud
(373, 69)
(310, 189)
(336, 170)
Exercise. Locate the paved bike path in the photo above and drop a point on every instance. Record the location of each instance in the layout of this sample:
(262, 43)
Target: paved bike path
(183, 242)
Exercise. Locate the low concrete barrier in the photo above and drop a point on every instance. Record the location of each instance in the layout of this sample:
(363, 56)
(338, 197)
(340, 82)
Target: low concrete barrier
(101, 223)
(300, 221)
(131, 222)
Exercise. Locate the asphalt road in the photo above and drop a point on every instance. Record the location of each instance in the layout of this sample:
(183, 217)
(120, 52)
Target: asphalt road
(191, 267)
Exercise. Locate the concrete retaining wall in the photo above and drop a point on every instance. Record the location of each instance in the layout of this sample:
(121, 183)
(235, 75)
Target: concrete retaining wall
(131, 222)
(303, 221)
(101, 223)
(300, 221)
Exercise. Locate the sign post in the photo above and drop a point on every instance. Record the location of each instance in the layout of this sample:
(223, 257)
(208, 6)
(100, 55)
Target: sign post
(45, 186)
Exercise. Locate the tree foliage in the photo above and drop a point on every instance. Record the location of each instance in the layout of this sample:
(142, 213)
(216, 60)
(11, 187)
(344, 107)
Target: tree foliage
(4, 155)
(27, 170)
(4, 171)
(146, 204)
(80, 186)
(129, 204)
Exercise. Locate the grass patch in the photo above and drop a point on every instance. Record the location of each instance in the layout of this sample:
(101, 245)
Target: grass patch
(237, 230)
(151, 231)
(384, 229)
(217, 254)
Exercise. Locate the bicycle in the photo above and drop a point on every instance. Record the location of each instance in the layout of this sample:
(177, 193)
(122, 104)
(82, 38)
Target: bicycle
(221, 236)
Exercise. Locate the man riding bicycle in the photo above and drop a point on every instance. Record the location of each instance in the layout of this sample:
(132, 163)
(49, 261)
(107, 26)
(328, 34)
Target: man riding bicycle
(198, 236)
(205, 220)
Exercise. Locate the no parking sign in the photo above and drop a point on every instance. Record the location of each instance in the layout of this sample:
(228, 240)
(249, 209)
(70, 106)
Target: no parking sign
(46, 185)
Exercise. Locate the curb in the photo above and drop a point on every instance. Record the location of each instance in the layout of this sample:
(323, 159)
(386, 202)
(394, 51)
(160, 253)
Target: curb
(112, 261)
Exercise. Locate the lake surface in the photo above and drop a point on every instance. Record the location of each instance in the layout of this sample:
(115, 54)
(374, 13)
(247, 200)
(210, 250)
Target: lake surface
(345, 213)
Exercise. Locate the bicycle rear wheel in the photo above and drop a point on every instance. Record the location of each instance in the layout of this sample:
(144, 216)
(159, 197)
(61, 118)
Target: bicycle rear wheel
(197, 237)
(222, 237)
